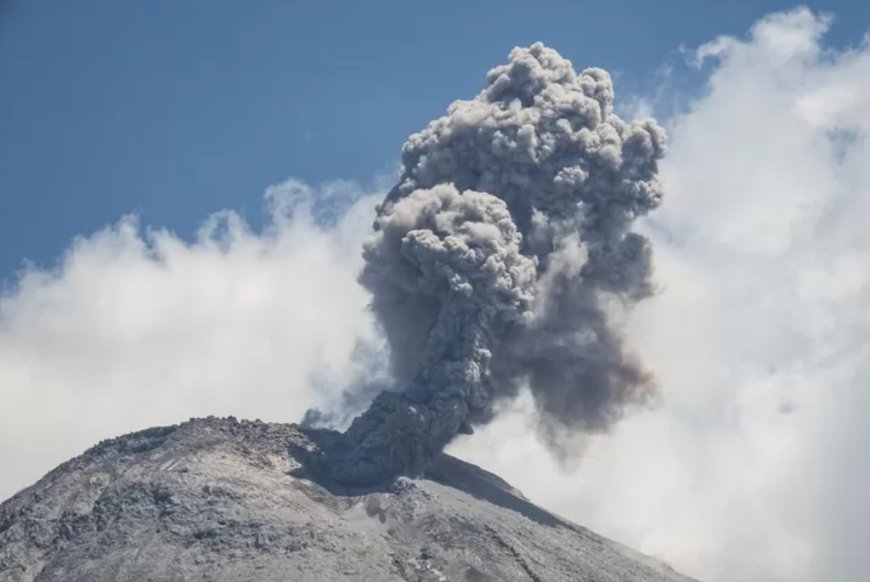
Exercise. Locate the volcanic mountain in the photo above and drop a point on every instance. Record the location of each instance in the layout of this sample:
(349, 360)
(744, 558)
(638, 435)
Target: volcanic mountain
(227, 500)
(500, 260)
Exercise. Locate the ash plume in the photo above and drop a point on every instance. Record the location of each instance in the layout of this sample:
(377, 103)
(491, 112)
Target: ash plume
(500, 258)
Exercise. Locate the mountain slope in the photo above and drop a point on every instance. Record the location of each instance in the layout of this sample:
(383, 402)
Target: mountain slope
(222, 500)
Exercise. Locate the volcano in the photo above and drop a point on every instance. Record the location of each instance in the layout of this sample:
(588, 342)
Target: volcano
(228, 500)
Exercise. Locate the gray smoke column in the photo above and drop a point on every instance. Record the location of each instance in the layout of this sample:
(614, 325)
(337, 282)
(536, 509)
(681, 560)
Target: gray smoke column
(499, 259)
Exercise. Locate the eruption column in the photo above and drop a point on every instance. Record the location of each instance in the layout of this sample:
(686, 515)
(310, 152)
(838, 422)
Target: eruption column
(497, 261)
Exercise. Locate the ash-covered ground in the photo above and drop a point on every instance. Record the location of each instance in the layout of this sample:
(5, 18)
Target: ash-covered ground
(223, 500)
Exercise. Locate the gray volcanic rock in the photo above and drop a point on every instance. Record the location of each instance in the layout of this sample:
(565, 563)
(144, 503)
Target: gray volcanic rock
(223, 500)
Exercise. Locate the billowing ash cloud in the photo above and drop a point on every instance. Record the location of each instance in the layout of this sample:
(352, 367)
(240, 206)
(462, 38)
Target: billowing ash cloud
(499, 259)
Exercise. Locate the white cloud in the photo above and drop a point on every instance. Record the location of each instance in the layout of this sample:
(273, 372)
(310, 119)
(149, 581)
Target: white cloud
(138, 328)
(755, 466)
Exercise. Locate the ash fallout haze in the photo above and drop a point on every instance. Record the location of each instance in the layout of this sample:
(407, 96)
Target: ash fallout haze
(657, 329)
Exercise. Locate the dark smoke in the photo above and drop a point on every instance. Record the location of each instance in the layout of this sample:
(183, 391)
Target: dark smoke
(500, 258)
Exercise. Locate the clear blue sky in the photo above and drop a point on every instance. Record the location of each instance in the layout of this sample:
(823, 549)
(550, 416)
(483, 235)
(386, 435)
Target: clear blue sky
(175, 109)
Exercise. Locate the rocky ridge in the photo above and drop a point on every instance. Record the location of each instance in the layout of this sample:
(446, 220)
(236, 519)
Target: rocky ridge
(227, 500)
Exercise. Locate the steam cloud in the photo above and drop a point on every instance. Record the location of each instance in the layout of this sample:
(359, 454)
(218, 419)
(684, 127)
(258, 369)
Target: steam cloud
(500, 258)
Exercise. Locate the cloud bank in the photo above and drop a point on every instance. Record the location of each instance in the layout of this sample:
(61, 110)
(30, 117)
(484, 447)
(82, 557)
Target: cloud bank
(136, 327)
(752, 468)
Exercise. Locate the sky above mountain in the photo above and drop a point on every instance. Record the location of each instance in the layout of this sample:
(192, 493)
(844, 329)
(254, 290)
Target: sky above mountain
(173, 111)
(136, 143)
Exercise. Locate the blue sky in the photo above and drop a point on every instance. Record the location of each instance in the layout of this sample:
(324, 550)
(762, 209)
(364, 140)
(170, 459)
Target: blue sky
(175, 109)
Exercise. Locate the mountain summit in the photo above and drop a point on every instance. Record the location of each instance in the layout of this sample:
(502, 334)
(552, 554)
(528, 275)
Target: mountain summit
(227, 500)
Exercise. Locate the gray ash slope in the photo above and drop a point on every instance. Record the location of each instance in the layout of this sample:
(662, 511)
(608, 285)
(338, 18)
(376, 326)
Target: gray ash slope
(218, 499)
